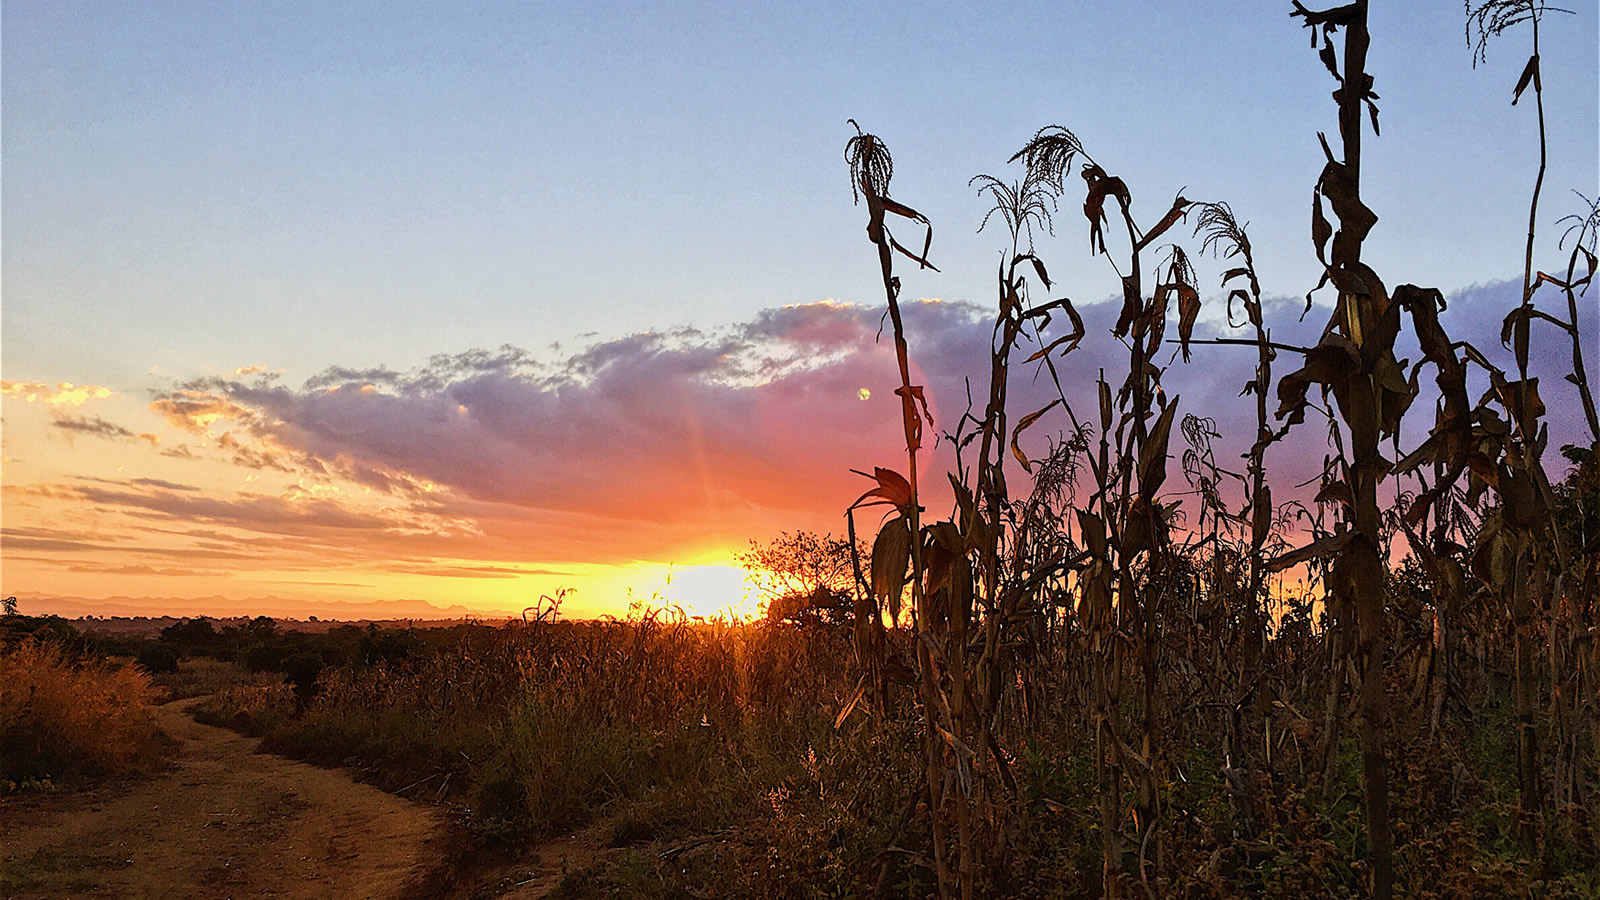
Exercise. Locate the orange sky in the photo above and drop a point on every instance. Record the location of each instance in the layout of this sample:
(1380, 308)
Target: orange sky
(638, 467)
(483, 480)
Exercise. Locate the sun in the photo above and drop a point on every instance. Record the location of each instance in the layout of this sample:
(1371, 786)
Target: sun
(713, 592)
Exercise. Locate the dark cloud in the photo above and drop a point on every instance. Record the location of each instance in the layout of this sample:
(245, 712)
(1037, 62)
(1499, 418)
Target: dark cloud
(251, 511)
(162, 484)
(94, 426)
(49, 545)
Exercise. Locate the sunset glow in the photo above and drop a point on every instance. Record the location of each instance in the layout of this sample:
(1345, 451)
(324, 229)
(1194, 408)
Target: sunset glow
(290, 321)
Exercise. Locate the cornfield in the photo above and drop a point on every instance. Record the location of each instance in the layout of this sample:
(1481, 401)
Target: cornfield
(1034, 608)
(1126, 666)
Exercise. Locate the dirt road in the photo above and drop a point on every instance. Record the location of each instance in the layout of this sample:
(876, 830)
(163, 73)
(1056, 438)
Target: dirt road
(224, 822)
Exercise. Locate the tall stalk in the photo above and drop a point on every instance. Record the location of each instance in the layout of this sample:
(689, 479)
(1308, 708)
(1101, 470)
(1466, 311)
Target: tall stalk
(1131, 534)
(1355, 358)
(871, 168)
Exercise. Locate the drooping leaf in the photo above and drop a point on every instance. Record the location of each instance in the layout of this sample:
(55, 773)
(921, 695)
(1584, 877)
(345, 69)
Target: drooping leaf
(1093, 530)
(1180, 208)
(893, 489)
(1049, 348)
(1317, 549)
(1494, 562)
(1101, 186)
(1337, 491)
(850, 705)
(1329, 59)
(891, 557)
(1331, 364)
(1038, 266)
(1511, 393)
(1022, 425)
(964, 502)
(1530, 72)
(1153, 455)
(1344, 195)
(1188, 311)
(911, 396)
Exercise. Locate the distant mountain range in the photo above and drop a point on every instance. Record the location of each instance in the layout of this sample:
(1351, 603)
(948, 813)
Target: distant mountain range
(276, 607)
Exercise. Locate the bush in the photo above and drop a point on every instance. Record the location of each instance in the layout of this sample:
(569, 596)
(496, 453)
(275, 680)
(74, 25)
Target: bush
(158, 660)
(62, 717)
(301, 669)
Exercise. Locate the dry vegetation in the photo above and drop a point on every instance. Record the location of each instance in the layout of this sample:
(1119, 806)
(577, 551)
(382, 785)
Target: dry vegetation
(64, 718)
(1102, 683)
(1093, 680)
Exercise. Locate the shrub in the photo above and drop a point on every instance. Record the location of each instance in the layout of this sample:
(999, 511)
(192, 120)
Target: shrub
(63, 717)
(301, 669)
(158, 660)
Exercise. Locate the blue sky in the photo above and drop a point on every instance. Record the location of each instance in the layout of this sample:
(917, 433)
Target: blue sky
(366, 183)
(191, 189)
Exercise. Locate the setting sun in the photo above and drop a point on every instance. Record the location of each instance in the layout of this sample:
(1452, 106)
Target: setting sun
(713, 592)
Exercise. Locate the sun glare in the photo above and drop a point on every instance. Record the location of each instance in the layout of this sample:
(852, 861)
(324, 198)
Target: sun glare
(713, 592)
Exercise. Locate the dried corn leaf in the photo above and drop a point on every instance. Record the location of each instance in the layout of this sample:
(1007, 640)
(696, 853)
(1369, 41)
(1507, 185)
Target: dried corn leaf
(1022, 425)
(1530, 73)
(1317, 549)
(891, 557)
(893, 489)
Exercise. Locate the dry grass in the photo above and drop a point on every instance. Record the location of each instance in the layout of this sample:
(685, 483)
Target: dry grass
(64, 718)
(254, 705)
(201, 676)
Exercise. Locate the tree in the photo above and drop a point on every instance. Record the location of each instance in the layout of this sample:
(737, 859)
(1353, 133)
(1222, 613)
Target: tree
(193, 632)
(803, 577)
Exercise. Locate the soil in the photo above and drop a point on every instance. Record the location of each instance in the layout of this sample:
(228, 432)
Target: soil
(223, 821)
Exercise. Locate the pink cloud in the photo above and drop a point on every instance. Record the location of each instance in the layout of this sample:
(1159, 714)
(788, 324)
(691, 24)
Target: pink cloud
(658, 445)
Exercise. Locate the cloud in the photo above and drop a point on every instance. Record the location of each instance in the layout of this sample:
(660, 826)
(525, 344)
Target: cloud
(250, 511)
(165, 485)
(658, 445)
(63, 394)
(719, 435)
(478, 571)
(195, 411)
(104, 569)
(93, 426)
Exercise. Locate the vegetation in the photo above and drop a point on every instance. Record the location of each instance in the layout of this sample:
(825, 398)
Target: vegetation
(1086, 678)
(63, 718)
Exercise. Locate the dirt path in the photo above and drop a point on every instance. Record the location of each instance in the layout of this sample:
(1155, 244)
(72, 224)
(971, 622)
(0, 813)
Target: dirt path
(224, 822)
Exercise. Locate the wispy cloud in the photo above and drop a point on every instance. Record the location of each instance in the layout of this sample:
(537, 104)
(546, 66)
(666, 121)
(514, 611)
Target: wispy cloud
(94, 426)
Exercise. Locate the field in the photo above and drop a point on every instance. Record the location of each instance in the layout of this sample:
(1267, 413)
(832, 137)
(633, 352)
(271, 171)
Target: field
(1127, 666)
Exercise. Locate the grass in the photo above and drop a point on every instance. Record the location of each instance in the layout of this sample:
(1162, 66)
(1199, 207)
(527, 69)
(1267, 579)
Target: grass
(689, 752)
(64, 718)
(199, 677)
(254, 707)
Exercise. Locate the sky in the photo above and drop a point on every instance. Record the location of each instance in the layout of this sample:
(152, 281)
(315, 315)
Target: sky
(458, 305)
